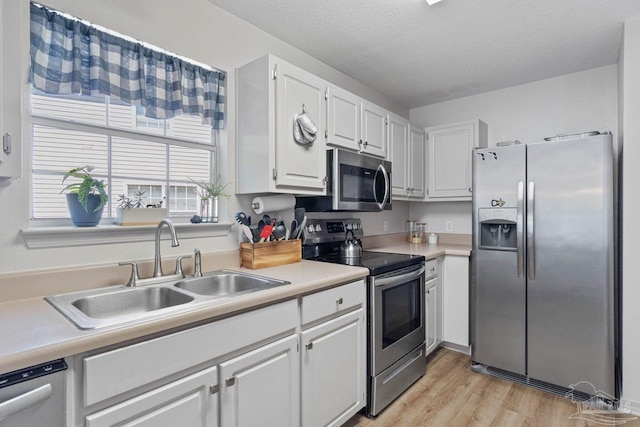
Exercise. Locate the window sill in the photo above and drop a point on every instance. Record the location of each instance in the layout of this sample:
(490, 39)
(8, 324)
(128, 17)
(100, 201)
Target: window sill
(56, 237)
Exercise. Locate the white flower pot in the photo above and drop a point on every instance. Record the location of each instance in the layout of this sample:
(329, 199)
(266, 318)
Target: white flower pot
(140, 216)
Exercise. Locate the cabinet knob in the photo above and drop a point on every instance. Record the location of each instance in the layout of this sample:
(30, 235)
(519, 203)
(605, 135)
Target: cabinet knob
(366, 143)
(339, 301)
(213, 389)
(230, 381)
(469, 189)
(309, 346)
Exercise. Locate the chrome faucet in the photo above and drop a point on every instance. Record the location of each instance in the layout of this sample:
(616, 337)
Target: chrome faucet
(157, 269)
(197, 266)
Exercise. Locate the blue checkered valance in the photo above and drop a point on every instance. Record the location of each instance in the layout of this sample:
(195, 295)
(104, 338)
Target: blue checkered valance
(70, 57)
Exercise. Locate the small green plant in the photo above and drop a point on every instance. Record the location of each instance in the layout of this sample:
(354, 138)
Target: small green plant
(207, 190)
(136, 201)
(88, 185)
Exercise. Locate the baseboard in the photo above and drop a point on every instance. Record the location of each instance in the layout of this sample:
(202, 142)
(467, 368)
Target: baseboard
(456, 347)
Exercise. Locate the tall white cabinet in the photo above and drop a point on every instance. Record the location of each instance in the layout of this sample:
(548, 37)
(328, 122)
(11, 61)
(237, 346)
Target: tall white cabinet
(450, 152)
(270, 93)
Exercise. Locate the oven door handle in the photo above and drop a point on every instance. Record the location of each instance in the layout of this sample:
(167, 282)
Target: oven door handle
(400, 278)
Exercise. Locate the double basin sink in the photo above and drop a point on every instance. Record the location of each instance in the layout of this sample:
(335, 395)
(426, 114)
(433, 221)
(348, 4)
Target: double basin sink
(119, 305)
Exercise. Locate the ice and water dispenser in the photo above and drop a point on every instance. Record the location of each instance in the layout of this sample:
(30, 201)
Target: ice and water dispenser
(498, 228)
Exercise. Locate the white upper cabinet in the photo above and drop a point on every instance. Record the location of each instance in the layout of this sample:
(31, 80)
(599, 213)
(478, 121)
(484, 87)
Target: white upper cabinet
(398, 137)
(407, 153)
(270, 94)
(374, 129)
(343, 118)
(450, 150)
(10, 94)
(416, 162)
(355, 124)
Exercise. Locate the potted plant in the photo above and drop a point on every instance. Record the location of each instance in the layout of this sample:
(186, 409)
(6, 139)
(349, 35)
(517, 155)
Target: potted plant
(133, 211)
(85, 199)
(209, 193)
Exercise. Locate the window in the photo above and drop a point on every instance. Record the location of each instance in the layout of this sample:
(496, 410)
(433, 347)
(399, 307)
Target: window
(131, 148)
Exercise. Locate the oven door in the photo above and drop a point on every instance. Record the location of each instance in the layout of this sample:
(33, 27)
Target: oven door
(360, 182)
(396, 316)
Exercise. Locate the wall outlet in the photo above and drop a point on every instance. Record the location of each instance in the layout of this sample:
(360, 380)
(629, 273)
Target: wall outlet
(449, 226)
(386, 225)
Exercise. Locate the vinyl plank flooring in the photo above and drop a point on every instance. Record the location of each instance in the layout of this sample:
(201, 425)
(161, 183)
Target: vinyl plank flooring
(451, 395)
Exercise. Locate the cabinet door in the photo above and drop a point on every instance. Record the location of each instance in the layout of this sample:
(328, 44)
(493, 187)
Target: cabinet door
(333, 370)
(343, 119)
(455, 310)
(374, 129)
(189, 402)
(416, 161)
(431, 315)
(398, 139)
(299, 165)
(450, 151)
(261, 388)
(11, 72)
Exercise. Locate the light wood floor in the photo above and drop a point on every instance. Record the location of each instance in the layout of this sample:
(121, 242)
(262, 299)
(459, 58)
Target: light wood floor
(450, 394)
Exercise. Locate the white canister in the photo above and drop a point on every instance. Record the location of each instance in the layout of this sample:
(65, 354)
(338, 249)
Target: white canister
(433, 239)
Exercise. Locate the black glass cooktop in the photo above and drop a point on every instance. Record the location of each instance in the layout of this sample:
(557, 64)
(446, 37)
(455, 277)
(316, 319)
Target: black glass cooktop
(377, 262)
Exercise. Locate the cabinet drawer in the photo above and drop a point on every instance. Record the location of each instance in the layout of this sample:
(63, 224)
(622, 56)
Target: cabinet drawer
(111, 373)
(332, 301)
(430, 268)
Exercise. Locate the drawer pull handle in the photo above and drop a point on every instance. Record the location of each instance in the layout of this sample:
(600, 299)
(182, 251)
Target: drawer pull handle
(231, 381)
(309, 346)
(213, 389)
(339, 301)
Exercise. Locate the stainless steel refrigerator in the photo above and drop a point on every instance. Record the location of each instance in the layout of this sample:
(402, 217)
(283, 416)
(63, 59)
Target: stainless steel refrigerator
(543, 297)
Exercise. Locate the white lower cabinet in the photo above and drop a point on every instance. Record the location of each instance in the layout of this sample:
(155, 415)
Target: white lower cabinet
(332, 363)
(333, 356)
(190, 401)
(298, 362)
(260, 388)
(433, 304)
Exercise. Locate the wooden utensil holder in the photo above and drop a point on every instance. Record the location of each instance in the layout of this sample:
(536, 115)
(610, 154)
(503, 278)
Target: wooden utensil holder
(270, 254)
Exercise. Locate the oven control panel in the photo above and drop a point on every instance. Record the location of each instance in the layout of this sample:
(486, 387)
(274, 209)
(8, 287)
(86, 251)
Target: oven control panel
(331, 230)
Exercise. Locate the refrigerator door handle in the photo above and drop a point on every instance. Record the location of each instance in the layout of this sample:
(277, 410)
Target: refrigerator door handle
(531, 266)
(520, 229)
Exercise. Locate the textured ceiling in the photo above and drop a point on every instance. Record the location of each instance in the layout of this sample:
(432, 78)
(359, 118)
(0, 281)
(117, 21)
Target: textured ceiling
(417, 54)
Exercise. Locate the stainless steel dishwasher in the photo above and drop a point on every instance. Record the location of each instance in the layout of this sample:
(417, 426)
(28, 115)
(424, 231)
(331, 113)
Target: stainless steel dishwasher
(33, 396)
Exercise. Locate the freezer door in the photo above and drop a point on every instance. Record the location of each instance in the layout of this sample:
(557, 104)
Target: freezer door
(570, 263)
(498, 325)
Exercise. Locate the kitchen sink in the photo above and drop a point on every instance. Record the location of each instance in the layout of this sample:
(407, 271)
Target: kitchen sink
(130, 302)
(119, 305)
(224, 283)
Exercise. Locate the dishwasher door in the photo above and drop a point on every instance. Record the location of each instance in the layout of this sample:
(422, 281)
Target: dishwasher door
(34, 396)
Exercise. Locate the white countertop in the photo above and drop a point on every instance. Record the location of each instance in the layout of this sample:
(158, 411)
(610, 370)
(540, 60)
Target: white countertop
(34, 332)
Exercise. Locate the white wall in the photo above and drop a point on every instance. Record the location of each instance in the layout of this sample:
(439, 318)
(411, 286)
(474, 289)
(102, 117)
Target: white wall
(193, 28)
(568, 104)
(630, 230)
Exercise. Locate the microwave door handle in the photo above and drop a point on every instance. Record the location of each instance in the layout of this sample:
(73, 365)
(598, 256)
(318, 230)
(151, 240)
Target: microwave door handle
(382, 204)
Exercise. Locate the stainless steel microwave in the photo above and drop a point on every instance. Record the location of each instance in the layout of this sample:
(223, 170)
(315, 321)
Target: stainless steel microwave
(356, 182)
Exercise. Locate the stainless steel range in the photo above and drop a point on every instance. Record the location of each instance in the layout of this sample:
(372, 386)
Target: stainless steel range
(395, 313)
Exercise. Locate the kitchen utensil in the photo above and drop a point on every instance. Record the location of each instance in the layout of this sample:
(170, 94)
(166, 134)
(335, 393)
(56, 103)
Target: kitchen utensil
(242, 218)
(351, 247)
(247, 232)
(294, 229)
(299, 214)
(266, 232)
(301, 228)
(279, 231)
